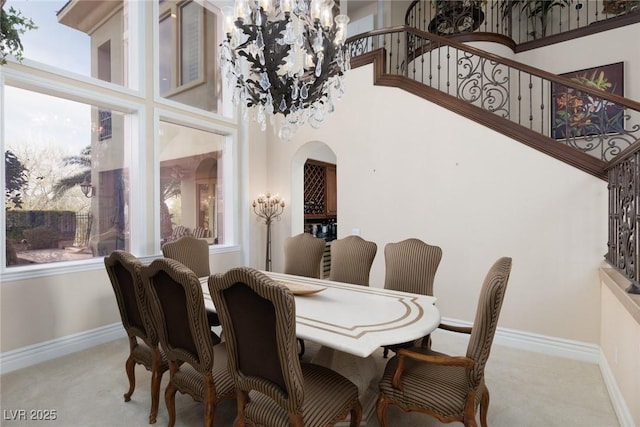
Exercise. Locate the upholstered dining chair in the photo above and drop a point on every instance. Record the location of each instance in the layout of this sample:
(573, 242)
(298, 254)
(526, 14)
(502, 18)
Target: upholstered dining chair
(449, 388)
(410, 266)
(197, 367)
(351, 260)
(273, 387)
(191, 252)
(123, 269)
(303, 255)
(194, 254)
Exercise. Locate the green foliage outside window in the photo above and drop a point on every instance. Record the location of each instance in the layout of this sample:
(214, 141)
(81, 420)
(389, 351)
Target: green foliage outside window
(12, 25)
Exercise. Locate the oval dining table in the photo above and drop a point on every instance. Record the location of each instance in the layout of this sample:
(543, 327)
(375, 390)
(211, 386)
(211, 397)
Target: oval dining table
(350, 322)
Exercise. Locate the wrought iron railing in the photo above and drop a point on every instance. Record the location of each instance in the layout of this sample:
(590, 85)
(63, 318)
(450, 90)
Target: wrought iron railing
(624, 216)
(552, 109)
(84, 222)
(522, 21)
(562, 117)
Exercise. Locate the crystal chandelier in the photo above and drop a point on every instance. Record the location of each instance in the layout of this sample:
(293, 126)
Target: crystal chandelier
(285, 57)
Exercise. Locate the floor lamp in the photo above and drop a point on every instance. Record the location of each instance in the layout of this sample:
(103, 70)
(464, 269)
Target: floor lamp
(268, 208)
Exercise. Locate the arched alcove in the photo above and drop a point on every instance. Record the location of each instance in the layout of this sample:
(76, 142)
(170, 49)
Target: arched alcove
(315, 150)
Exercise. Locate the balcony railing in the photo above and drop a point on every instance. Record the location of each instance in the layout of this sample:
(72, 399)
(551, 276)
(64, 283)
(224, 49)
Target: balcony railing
(591, 129)
(523, 21)
(624, 216)
(536, 107)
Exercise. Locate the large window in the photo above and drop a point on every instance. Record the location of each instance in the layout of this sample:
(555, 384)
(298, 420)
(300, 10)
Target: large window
(67, 179)
(191, 183)
(84, 37)
(80, 154)
(187, 42)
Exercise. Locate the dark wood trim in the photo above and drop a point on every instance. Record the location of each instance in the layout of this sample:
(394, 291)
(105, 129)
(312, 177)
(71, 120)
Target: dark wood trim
(376, 57)
(544, 144)
(525, 68)
(626, 153)
(484, 37)
(319, 162)
(596, 27)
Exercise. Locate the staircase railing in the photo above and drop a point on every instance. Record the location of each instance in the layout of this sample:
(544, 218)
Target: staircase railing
(526, 22)
(573, 122)
(588, 128)
(624, 216)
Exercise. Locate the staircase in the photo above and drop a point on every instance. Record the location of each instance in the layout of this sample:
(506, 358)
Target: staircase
(588, 128)
(575, 123)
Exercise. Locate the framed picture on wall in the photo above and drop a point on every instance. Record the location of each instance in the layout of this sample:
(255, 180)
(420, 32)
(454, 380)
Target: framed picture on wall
(575, 114)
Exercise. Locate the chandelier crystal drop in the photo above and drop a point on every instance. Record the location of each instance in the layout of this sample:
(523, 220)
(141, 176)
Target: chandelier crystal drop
(286, 58)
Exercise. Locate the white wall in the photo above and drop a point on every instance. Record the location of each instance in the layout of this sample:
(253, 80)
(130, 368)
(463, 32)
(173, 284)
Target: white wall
(408, 168)
(46, 308)
(621, 342)
(620, 44)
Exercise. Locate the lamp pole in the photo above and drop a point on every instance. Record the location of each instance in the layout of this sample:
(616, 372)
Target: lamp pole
(268, 208)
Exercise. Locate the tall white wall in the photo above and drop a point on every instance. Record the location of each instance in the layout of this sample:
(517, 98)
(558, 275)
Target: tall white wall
(408, 168)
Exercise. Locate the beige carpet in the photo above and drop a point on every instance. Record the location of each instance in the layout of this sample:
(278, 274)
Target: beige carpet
(86, 388)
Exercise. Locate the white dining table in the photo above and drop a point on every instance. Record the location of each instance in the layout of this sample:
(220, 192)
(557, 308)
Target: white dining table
(351, 322)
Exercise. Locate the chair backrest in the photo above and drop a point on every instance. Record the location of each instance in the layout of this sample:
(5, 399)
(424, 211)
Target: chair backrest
(123, 269)
(200, 232)
(303, 255)
(190, 251)
(258, 317)
(486, 320)
(351, 260)
(411, 265)
(177, 306)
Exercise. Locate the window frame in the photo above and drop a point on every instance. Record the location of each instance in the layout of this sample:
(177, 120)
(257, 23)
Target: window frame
(134, 115)
(174, 11)
(145, 107)
(229, 164)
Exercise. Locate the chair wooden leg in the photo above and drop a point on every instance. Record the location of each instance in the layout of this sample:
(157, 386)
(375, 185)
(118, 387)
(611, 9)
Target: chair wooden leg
(381, 410)
(469, 412)
(170, 401)
(130, 367)
(484, 407)
(209, 401)
(242, 398)
(156, 378)
(356, 415)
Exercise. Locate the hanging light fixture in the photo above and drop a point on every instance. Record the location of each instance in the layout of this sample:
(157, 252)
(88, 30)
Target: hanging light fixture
(285, 57)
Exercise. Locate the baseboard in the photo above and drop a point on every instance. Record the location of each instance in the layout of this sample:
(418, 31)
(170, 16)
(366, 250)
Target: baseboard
(537, 343)
(41, 352)
(575, 350)
(617, 400)
(569, 349)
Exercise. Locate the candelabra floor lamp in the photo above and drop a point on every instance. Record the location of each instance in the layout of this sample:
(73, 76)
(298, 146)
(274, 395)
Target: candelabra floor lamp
(268, 208)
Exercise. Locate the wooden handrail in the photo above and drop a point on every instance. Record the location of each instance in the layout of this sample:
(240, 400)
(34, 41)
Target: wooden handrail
(425, 42)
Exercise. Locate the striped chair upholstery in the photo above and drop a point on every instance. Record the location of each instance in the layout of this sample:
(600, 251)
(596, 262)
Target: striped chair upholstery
(194, 254)
(351, 260)
(410, 266)
(191, 252)
(200, 232)
(303, 255)
(197, 367)
(124, 273)
(274, 388)
(178, 232)
(448, 388)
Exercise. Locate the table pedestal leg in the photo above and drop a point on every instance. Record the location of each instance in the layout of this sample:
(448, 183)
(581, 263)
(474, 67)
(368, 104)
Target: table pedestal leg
(362, 371)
